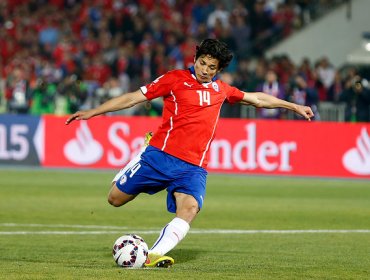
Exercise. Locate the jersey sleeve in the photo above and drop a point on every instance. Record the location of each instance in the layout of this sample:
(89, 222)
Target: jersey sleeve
(159, 87)
(233, 94)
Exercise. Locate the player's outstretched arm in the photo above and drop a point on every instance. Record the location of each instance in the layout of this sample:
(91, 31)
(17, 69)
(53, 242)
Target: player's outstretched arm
(124, 101)
(263, 100)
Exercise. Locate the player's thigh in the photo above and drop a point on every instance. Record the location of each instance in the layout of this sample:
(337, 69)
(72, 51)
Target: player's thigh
(116, 197)
(137, 177)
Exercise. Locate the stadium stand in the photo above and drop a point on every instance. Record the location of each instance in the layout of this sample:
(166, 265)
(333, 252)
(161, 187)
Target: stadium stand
(59, 56)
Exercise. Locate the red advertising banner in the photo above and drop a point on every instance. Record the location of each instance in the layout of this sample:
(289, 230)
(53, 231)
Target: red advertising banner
(293, 148)
(102, 142)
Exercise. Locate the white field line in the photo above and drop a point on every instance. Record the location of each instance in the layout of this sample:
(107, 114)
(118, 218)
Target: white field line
(94, 232)
(60, 226)
(215, 231)
(120, 230)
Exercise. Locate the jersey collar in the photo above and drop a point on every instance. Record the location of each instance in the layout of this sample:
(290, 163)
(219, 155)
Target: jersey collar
(192, 71)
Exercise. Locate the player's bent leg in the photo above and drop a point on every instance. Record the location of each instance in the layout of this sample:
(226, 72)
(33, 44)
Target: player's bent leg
(118, 198)
(186, 207)
(186, 211)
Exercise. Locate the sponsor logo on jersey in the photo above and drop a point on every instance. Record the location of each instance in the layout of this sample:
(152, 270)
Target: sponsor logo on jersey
(185, 83)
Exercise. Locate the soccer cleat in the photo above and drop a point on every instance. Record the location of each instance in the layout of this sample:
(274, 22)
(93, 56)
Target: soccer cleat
(147, 138)
(156, 260)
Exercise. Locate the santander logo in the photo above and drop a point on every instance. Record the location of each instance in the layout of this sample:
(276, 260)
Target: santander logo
(357, 159)
(248, 154)
(83, 149)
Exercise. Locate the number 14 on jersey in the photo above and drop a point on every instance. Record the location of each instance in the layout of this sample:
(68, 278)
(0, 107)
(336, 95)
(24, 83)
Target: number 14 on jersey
(204, 97)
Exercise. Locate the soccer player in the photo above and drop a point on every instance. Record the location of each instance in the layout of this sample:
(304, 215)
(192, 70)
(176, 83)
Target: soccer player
(177, 154)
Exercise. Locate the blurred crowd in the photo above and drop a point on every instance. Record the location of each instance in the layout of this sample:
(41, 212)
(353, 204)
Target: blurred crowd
(309, 83)
(59, 56)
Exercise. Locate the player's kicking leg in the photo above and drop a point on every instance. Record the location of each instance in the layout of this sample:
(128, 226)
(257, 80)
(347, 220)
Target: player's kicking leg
(116, 197)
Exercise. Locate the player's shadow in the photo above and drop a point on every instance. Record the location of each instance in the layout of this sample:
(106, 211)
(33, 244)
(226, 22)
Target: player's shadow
(185, 255)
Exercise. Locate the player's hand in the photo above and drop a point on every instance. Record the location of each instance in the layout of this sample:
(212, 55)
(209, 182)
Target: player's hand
(305, 112)
(80, 115)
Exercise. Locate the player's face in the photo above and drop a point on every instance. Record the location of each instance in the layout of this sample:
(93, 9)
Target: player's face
(206, 67)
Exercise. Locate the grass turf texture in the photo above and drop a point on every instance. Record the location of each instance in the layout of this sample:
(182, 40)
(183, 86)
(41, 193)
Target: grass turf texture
(50, 200)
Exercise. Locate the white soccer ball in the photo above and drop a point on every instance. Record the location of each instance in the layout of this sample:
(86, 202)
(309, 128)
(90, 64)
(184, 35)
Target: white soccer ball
(130, 251)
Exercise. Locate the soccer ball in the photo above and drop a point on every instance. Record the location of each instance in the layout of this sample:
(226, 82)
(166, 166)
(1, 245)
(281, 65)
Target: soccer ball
(130, 251)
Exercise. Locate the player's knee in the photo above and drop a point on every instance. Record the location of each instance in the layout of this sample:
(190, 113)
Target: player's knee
(114, 201)
(187, 206)
(118, 198)
(188, 212)
(192, 209)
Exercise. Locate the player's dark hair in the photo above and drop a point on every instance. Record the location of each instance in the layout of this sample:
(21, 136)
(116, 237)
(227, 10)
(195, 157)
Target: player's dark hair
(215, 49)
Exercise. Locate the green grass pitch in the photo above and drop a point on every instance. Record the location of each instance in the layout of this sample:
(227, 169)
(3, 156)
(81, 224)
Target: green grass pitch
(57, 224)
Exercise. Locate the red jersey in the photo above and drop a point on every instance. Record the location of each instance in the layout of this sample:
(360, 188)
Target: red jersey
(190, 113)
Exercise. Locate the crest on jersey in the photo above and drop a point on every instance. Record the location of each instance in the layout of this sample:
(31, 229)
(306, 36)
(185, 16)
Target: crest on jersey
(123, 179)
(215, 86)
